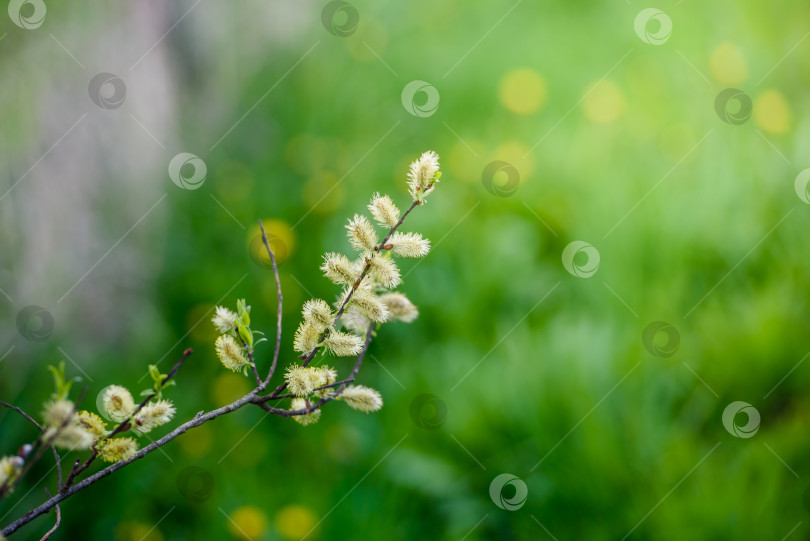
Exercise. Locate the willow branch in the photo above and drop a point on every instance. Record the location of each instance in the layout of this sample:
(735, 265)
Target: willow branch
(39, 448)
(198, 419)
(58, 520)
(272, 369)
(311, 355)
(262, 400)
(124, 425)
(25, 415)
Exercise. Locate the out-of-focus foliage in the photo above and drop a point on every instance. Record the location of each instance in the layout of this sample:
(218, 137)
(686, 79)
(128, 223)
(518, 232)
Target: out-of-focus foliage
(534, 371)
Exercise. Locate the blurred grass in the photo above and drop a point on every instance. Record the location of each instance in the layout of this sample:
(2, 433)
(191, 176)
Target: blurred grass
(546, 385)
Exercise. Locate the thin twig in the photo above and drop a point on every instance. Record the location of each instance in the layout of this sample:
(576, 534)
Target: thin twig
(30, 419)
(58, 520)
(321, 388)
(21, 412)
(39, 447)
(272, 369)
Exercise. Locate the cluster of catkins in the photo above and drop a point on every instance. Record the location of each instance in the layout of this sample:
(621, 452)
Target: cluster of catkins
(367, 281)
(367, 299)
(66, 428)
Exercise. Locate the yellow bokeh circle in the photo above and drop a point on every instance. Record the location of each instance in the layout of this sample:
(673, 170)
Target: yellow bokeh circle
(728, 65)
(523, 91)
(295, 521)
(603, 102)
(772, 112)
(280, 236)
(247, 522)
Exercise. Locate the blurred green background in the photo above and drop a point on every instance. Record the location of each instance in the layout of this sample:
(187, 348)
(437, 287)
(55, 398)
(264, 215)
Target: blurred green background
(532, 371)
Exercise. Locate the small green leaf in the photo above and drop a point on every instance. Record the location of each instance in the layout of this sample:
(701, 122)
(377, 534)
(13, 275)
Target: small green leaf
(243, 311)
(157, 377)
(245, 334)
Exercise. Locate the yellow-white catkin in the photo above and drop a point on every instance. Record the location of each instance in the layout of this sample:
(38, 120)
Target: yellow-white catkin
(306, 337)
(224, 320)
(307, 418)
(152, 415)
(362, 398)
(118, 403)
(369, 304)
(400, 307)
(343, 344)
(330, 374)
(10, 468)
(319, 313)
(92, 423)
(339, 270)
(230, 353)
(329, 377)
(384, 211)
(354, 321)
(409, 244)
(423, 175)
(62, 426)
(361, 233)
(384, 270)
(303, 380)
(58, 413)
(116, 449)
